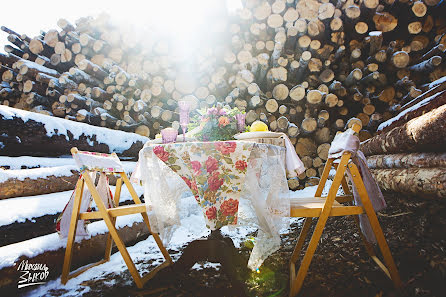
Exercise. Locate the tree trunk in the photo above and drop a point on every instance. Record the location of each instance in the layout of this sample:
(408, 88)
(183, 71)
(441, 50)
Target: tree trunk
(415, 111)
(14, 187)
(423, 182)
(413, 160)
(423, 134)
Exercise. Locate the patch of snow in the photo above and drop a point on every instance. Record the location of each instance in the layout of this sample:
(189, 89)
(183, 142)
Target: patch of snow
(27, 161)
(37, 172)
(437, 82)
(310, 191)
(375, 33)
(51, 242)
(199, 266)
(307, 192)
(193, 227)
(406, 111)
(26, 208)
(57, 126)
(40, 68)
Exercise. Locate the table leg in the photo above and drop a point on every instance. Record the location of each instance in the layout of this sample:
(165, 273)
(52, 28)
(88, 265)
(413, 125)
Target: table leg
(215, 248)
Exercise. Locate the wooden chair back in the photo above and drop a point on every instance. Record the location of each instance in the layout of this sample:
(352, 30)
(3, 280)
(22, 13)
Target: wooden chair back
(107, 163)
(336, 205)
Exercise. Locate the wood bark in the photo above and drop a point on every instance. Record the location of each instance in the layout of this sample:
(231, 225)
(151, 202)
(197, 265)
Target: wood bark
(422, 182)
(415, 111)
(412, 160)
(422, 134)
(29, 186)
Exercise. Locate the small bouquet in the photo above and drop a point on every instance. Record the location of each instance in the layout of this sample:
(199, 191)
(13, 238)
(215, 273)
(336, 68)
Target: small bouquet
(216, 123)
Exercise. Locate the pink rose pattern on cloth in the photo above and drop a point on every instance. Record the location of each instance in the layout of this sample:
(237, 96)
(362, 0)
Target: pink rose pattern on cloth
(215, 173)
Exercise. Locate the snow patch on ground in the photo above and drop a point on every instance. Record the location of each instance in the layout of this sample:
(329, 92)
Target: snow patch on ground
(192, 227)
(57, 126)
(199, 266)
(51, 242)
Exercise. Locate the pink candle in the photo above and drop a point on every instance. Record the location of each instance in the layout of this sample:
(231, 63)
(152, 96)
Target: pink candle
(169, 135)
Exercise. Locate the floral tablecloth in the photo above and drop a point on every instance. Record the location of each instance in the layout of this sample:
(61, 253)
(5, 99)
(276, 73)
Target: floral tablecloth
(234, 182)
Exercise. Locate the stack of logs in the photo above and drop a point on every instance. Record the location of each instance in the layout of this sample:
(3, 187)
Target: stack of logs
(304, 67)
(408, 155)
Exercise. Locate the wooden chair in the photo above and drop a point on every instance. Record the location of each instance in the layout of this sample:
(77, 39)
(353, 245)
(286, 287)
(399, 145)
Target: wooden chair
(109, 216)
(329, 206)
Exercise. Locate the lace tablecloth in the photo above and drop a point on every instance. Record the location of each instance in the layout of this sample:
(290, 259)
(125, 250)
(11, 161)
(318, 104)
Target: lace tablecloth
(234, 182)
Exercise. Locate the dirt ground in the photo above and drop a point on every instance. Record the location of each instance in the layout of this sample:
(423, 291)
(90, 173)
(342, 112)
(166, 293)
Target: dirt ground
(414, 227)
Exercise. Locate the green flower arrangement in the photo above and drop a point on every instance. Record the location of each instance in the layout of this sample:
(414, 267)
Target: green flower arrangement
(215, 123)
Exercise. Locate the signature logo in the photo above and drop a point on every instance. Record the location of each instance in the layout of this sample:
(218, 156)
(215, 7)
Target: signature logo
(32, 274)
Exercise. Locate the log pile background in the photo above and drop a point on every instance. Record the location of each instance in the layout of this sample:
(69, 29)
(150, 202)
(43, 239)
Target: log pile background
(304, 67)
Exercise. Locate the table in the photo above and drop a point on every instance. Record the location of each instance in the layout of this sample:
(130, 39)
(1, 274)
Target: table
(236, 183)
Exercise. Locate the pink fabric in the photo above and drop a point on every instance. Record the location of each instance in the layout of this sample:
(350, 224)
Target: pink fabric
(348, 142)
(64, 220)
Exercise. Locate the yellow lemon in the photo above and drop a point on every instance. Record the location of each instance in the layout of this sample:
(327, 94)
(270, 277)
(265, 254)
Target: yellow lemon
(157, 136)
(258, 126)
(249, 243)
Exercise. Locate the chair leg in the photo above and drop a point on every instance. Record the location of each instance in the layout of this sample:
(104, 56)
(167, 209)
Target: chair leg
(298, 248)
(125, 254)
(114, 233)
(301, 239)
(157, 239)
(146, 219)
(376, 227)
(72, 232)
(385, 251)
(306, 261)
(370, 250)
(109, 243)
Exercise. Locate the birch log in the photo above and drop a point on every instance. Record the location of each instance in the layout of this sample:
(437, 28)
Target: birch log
(413, 160)
(423, 182)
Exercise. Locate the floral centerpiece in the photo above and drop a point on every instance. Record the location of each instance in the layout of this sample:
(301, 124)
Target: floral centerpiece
(215, 123)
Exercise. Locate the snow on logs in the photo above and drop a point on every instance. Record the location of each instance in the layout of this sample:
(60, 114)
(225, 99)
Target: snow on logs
(408, 154)
(421, 134)
(38, 181)
(29, 133)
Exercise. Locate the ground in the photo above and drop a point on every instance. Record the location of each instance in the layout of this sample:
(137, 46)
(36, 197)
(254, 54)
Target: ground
(415, 229)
